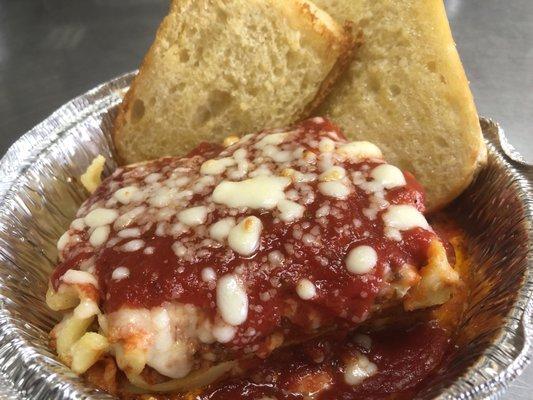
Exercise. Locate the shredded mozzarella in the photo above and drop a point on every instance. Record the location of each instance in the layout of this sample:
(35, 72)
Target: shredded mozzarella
(99, 235)
(259, 192)
(245, 237)
(305, 289)
(389, 176)
(100, 216)
(361, 260)
(358, 369)
(193, 216)
(232, 300)
(221, 229)
(290, 210)
(120, 273)
(75, 277)
(335, 189)
(404, 217)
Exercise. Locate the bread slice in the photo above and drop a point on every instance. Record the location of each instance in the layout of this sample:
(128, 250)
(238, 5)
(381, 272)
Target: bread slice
(407, 92)
(220, 67)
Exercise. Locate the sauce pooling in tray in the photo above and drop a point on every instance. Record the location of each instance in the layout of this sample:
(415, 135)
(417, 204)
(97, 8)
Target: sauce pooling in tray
(232, 252)
(381, 365)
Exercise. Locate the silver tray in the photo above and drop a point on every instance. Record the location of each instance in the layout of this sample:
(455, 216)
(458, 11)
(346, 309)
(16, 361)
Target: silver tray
(39, 194)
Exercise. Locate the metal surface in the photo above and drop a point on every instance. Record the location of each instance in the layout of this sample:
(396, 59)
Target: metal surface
(52, 50)
(495, 40)
(39, 196)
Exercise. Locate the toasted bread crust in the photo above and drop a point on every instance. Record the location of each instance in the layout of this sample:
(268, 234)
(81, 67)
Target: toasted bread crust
(339, 39)
(407, 92)
(124, 108)
(479, 157)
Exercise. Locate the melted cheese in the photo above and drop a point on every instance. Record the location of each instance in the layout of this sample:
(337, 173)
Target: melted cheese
(216, 166)
(75, 277)
(100, 216)
(208, 274)
(63, 241)
(221, 229)
(388, 176)
(297, 176)
(240, 155)
(126, 194)
(169, 354)
(193, 216)
(359, 369)
(232, 300)
(290, 211)
(128, 217)
(129, 233)
(404, 217)
(259, 192)
(165, 338)
(78, 224)
(361, 260)
(332, 174)
(356, 151)
(279, 156)
(272, 139)
(305, 289)
(245, 237)
(133, 245)
(335, 189)
(153, 178)
(326, 145)
(223, 333)
(162, 197)
(99, 235)
(120, 273)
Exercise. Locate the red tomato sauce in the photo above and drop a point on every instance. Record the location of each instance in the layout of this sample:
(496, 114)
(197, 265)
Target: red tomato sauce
(348, 298)
(404, 359)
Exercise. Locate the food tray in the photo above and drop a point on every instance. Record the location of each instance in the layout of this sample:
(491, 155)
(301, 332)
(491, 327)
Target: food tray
(40, 193)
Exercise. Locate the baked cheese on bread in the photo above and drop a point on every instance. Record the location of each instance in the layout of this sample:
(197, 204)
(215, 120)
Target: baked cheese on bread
(228, 67)
(407, 92)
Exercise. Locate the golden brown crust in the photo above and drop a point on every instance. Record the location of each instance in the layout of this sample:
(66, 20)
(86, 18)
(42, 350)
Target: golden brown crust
(333, 37)
(341, 41)
(120, 121)
(124, 107)
(432, 104)
(480, 156)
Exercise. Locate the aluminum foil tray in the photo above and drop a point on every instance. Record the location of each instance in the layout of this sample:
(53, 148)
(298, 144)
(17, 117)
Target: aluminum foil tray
(40, 193)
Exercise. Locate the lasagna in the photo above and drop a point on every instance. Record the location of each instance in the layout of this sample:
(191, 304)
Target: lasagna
(182, 270)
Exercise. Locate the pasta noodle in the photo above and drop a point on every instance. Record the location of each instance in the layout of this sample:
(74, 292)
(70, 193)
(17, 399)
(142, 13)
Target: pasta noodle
(194, 380)
(75, 345)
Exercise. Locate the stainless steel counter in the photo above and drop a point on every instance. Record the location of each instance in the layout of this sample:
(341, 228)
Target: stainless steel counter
(53, 50)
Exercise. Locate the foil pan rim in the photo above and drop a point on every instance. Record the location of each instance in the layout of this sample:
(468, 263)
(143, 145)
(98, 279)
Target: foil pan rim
(19, 380)
(520, 318)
